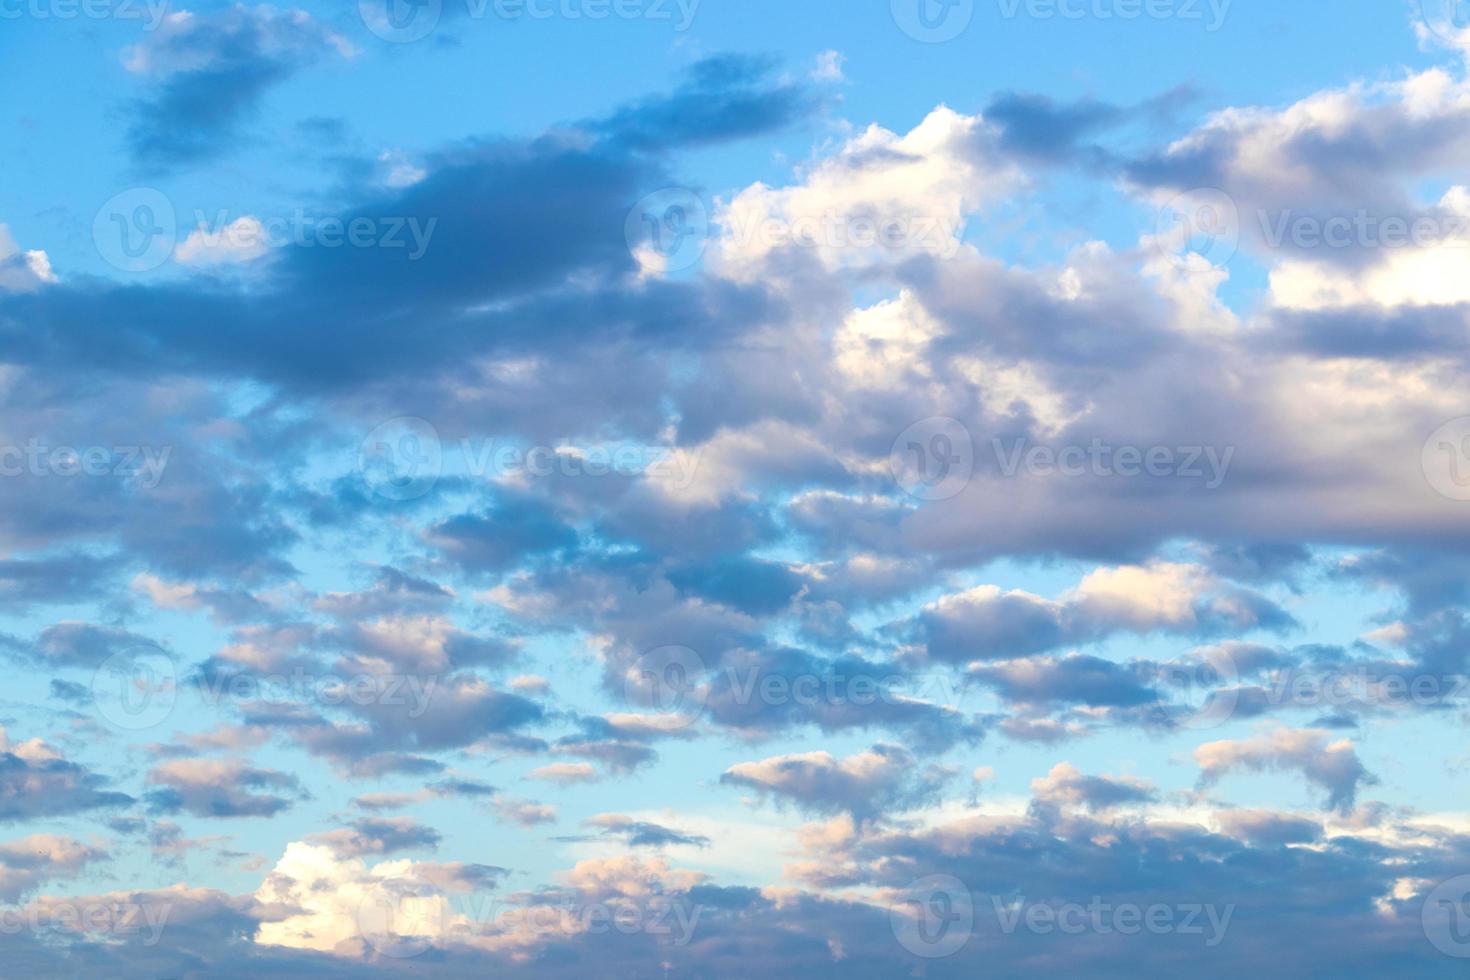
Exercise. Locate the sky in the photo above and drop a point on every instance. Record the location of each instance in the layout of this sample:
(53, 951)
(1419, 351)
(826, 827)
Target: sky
(709, 489)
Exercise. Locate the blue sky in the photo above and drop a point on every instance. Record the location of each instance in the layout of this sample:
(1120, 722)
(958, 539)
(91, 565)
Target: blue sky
(474, 473)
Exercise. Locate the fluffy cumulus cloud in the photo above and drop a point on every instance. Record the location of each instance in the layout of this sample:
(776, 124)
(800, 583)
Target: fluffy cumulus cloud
(620, 576)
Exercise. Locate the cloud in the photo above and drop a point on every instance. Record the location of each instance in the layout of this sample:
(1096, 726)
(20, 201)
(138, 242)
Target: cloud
(870, 784)
(641, 833)
(37, 781)
(213, 70)
(27, 863)
(1066, 786)
(221, 788)
(1332, 765)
